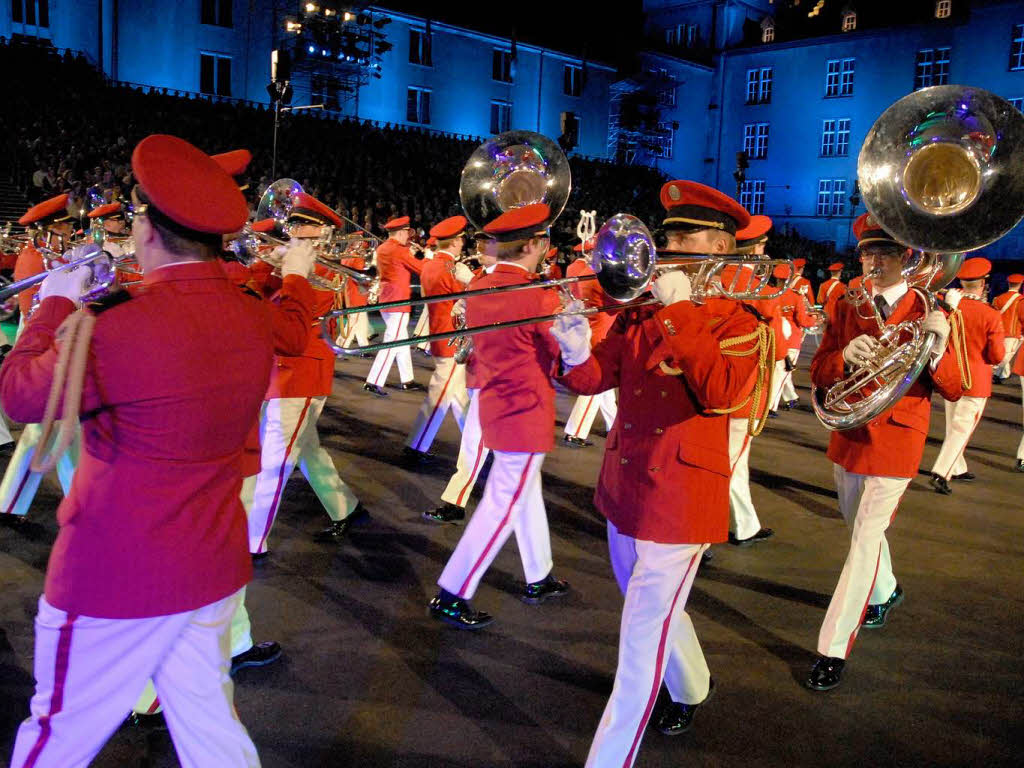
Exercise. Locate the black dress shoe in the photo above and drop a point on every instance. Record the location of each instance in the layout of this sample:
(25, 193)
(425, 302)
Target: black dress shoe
(789, 405)
(707, 556)
(874, 617)
(963, 477)
(147, 723)
(1019, 466)
(259, 557)
(677, 718)
(411, 457)
(940, 485)
(773, 414)
(537, 592)
(575, 442)
(7, 449)
(761, 535)
(336, 531)
(411, 386)
(259, 655)
(826, 673)
(373, 389)
(446, 513)
(458, 612)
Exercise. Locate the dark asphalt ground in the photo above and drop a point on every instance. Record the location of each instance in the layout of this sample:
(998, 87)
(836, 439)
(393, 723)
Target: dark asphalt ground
(367, 679)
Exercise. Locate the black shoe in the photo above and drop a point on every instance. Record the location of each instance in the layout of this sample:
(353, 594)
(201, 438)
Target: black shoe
(825, 674)
(147, 723)
(707, 556)
(7, 450)
(12, 521)
(336, 531)
(458, 612)
(411, 386)
(761, 535)
(575, 442)
(259, 655)
(373, 389)
(874, 617)
(1019, 466)
(773, 414)
(940, 485)
(259, 557)
(446, 513)
(789, 405)
(677, 718)
(537, 592)
(412, 458)
(963, 477)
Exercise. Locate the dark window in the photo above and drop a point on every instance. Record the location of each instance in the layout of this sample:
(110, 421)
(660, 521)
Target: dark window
(417, 108)
(839, 77)
(419, 48)
(831, 197)
(759, 85)
(572, 80)
(931, 67)
(215, 74)
(755, 140)
(501, 116)
(752, 196)
(215, 12)
(34, 12)
(1017, 47)
(501, 66)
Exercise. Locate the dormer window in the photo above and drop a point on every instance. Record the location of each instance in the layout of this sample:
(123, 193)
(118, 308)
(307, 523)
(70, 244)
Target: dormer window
(849, 21)
(943, 8)
(767, 30)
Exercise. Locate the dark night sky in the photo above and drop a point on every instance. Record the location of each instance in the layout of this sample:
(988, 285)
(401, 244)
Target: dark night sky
(573, 27)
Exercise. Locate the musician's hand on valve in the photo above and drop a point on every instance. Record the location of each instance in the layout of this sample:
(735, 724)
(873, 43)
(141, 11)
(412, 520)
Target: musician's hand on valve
(572, 332)
(859, 352)
(463, 273)
(298, 258)
(69, 283)
(671, 286)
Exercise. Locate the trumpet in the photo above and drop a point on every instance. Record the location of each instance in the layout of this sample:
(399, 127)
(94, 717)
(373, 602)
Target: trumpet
(101, 263)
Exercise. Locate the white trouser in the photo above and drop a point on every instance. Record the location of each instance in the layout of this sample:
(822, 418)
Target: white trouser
(782, 381)
(288, 436)
(743, 517)
(422, 329)
(512, 501)
(1012, 345)
(447, 389)
(1020, 447)
(396, 326)
(5, 431)
(357, 331)
(585, 409)
(19, 485)
(962, 418)
(868, 504)
(472, 455)
(88, 670)
(656, 641)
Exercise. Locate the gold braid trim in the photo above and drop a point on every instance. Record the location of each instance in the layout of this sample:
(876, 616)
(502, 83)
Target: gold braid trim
(765, 350)
(958, 338)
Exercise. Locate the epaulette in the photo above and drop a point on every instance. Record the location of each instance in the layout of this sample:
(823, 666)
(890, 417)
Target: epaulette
(109, 301)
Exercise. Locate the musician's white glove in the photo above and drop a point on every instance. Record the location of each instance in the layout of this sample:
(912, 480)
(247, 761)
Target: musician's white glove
(298, 258)
(953, 296)
(69, 283)
(572, 332)
(859, 352)
(463, 273)
(937, 323)
(113, 249)
(459, 308)
(671, 286)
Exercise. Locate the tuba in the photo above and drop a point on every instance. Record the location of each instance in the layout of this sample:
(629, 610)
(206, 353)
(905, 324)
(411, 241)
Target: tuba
(940, 170)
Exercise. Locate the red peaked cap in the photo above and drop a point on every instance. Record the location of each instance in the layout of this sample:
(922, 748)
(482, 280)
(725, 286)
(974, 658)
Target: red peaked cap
(47, 212)
(234, 162)
(449, 228)
(552, 252)
(837, 267)
(264, 225)
(105, 211)
(431, 241)
(743, 282)
(521, 223)
(1015, 278)
(867, 230)
(187, 186)
(799, 263)
(306, 209)
(781, 271)
(755, 232)
(578, 248)
(693, 206)
(400, 223)
(977, 268)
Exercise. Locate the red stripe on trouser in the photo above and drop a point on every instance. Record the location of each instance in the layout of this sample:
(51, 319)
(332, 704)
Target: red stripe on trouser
(17, 493)
(472, 475)
(656, 684)
(154, 706)
(502, 524)
(746, 441)
(426, 427)
(280, 474)
(966, 442)
(583, 418)
(60, 675)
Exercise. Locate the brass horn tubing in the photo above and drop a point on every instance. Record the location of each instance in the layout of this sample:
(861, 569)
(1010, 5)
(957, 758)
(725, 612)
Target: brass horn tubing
(28, 282)
(360, 276)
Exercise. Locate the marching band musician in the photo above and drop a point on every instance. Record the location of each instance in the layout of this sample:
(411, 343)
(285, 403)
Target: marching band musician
(443, 273)
(874, 464)
(802, 286)
(795, 317)
(396, 265)
(1008, 304)
(585, 409)
(830, 290)
(130, 592)
(299, 386)
(983, 344)
(1018, 368)
(357, 328)
(664, 482)
(517, 417)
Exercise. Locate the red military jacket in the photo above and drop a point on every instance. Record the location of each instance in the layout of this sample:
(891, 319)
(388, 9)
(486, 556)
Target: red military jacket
(29, 263)
(892, 444)
(665, 475)
(592, 294)
(153, 524)
(513, 365)
(985, 339)
(803, 287)
(353, 296)
(438, 277)
(829, 293)
(793, 308)
(1008, 304)
(311, 372)
(396, 265)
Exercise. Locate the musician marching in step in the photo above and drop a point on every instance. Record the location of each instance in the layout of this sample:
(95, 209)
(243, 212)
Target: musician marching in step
(1009, 306)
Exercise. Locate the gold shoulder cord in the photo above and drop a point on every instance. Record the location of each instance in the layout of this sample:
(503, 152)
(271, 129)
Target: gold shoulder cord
(764, 348)
(958, 338)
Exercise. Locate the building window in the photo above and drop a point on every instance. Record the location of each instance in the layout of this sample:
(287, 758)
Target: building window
(849, 21)
(692, 35)
(419, 48)
(835, 137)
(1017, 47)
(1018, 103)
(35, 13)
(767, 31)
(839, 77)
(759, 85)
(667, 96)
(572, 80)
(501, 116)
(215, 74)
(664, 139)
(831, 197)
(752, 196)
(501, 66)
(215, 12)
(931, 67)
(417, 106)
(755, 140)
(943, 9)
